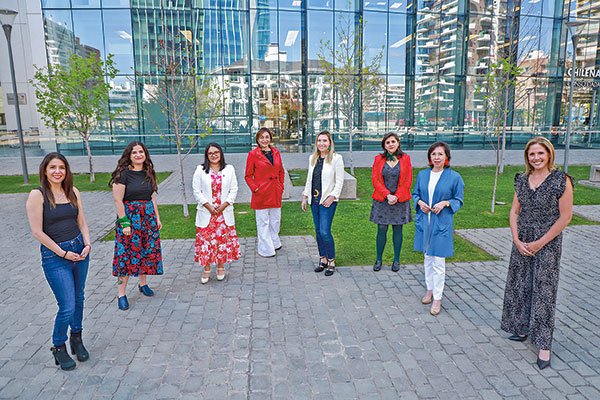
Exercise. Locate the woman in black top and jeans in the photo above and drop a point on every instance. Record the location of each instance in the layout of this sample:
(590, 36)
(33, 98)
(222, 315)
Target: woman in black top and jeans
(55, 214)
(137, 238)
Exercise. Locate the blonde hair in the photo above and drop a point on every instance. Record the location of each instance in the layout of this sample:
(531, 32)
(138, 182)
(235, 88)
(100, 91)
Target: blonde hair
(316, 153)
(545, 143)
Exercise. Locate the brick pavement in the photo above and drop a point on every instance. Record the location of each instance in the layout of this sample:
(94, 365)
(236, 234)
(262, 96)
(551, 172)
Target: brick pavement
(275, 329)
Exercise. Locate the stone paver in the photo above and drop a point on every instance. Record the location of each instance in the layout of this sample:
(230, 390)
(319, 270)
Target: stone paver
(275, 329)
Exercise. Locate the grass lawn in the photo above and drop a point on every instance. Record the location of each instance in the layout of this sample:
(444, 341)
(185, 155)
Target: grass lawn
(14, 183)
(355, 235)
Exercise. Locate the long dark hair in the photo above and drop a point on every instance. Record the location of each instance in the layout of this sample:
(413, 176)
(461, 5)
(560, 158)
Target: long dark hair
(66, 185)
(125, 162)
(206, 163)
(399, 153)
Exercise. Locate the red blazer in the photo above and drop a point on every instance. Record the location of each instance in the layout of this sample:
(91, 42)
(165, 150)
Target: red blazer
(264, 179)
(404, 182)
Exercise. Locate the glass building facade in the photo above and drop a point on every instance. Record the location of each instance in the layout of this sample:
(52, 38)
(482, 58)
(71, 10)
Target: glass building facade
(264, 55)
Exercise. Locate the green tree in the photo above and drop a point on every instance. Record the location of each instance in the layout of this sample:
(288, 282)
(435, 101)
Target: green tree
(353, 79)
(75, 97)
(190, 103)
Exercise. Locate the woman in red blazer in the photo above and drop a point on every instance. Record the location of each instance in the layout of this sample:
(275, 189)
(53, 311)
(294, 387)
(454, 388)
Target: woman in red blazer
(264, 176)
(391, 177)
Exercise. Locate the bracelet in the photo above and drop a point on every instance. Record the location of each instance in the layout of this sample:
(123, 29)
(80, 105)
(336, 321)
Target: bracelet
(124, 222)
(66, 251)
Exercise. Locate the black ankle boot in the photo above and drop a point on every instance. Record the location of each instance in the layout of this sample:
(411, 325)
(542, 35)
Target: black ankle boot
(62, 358)
(77, 347)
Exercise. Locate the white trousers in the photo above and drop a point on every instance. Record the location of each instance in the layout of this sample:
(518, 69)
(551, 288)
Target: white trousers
(435, 275)
(268, 222)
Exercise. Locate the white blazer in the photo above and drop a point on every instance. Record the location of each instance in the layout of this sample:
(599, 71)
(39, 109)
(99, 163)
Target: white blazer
(332, 179)
(203, 193)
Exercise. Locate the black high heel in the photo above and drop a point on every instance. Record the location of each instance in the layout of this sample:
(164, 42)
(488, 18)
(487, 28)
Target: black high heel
(77, 347)
(62, 358)
(321, 267)
(543, 363)
(330, 268)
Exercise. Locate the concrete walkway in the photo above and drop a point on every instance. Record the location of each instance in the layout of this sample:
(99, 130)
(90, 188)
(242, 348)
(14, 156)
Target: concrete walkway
(276, 330)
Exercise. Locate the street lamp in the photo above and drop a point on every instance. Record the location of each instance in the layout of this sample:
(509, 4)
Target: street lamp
(6, 19)
(572, 27)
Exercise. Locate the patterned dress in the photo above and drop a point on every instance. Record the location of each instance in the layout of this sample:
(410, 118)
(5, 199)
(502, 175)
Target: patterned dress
(381, 211)
(140, 252)
(216, 243)
(532, 282)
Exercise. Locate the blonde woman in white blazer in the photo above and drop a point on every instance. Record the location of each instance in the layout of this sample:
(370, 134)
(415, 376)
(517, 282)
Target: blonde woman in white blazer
(215, 188)
(322, 191)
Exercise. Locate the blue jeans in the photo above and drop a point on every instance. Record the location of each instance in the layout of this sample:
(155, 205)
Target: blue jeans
(67, 281)
(322, 218)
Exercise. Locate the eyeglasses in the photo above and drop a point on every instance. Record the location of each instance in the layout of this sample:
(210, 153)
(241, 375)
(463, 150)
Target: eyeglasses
(214, 153)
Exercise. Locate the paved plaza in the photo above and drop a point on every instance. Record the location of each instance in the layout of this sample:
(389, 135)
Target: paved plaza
(276, 330)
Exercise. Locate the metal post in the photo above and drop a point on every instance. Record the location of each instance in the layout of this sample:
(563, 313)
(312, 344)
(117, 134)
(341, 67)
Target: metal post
(572, 86)
(7, 31)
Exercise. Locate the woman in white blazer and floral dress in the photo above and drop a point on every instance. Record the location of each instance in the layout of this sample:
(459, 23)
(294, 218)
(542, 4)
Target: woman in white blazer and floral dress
(322, 191)
(215, 188)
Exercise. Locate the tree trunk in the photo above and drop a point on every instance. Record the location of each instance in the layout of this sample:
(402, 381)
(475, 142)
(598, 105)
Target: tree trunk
(504, 122)
(350, 125)
(86, 139)
(186, 212)
(496, 175)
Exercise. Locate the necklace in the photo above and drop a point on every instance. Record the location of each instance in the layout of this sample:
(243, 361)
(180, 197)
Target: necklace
(59, 197)
(535, 181)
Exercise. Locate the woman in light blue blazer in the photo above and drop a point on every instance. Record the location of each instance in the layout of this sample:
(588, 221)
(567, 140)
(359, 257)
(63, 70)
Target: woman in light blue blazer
(438, 195)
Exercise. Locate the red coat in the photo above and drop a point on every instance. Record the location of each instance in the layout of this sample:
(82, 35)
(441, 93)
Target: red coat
(264, 179)
(404, 182)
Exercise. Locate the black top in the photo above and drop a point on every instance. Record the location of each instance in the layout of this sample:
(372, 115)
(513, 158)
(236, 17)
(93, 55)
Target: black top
(269, 155)
(60, 222)
(137, 187)
(316, 178)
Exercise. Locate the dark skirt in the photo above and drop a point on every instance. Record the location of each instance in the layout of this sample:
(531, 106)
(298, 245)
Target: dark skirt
(384, 214)
(138, 253)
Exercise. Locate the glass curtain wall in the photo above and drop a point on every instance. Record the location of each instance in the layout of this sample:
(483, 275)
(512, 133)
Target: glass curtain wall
(432, 59)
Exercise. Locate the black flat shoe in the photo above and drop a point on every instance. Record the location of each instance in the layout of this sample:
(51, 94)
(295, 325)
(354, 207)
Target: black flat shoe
(321, 267)
(543, 363)
(279, 248)
(146, 291)
(395, 266)
(517, 338)
(377, 266)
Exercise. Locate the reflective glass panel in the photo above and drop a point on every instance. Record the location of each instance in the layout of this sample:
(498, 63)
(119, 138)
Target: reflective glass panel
(59, 36)
(85, 3)
(123, 99)
(289, 42)
(320, 32)
(118, 38)
(264, 40)
(397, 44)
(395, 102)
(320, 4)
(375, 40)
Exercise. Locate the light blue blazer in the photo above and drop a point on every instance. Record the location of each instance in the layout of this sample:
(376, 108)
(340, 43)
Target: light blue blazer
(434, 235)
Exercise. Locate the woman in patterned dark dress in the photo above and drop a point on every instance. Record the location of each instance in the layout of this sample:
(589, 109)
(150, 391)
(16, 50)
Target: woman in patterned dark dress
(137, 237)
(391, 177)
(542, 207)
(215, 189)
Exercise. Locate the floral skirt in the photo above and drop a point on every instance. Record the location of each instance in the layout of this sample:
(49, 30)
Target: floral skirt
(138, 253)
(217, 243)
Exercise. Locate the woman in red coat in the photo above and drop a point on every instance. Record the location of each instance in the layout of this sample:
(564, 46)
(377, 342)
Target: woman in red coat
(391, 177)
(264, 176)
